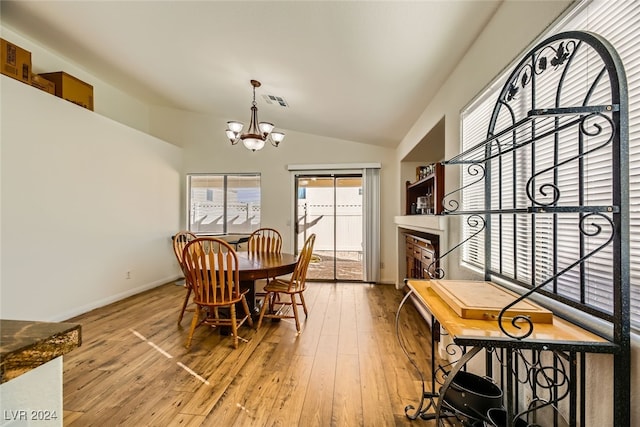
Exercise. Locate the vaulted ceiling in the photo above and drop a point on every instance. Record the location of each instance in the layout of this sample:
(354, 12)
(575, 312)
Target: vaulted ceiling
(355, 70)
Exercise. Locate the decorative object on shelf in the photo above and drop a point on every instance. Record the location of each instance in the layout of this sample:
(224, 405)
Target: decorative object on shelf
(258, 132)
(428, 170)
(15, 62)
(424, 171)
(71, 88)
(421, 205)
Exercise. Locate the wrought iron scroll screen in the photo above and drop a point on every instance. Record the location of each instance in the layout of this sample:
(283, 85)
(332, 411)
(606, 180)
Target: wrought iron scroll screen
(553, 169)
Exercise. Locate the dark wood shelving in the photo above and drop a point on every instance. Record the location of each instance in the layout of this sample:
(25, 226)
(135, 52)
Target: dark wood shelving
(431, 186)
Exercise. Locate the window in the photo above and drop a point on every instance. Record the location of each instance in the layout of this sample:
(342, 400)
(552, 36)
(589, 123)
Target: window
(223, 203)
(511, 253)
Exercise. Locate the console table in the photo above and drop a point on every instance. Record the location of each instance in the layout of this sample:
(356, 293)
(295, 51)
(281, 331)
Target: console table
(475, 335)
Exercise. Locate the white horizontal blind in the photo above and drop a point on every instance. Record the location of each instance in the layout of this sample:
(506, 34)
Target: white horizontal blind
(474, 129)
(511, 249)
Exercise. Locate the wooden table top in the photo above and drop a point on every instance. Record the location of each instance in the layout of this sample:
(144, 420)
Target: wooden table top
(261, 266)
(559, 334)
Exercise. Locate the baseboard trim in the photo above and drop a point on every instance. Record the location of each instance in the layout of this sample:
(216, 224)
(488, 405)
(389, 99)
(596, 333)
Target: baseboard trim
(76, 311)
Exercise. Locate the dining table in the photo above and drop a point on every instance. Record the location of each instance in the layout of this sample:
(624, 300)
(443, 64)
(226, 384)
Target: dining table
(257, 266)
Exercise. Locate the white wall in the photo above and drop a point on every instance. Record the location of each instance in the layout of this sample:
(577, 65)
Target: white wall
(512, 29)
(207, 149)
(109, 101)
(84, 200)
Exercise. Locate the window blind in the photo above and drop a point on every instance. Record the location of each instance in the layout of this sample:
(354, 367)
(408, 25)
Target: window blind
(512, 251)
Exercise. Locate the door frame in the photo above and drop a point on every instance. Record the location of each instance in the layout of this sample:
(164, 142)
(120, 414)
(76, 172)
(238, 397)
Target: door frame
(334, 175)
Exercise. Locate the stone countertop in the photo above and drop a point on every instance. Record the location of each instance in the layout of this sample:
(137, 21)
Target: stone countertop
(25, 345)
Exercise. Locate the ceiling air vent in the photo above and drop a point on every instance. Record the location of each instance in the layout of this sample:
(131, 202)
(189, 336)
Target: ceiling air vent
(272, 99)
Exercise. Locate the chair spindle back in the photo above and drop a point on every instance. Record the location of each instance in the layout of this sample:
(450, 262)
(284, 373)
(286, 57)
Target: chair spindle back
(212, 268)
(265, 240)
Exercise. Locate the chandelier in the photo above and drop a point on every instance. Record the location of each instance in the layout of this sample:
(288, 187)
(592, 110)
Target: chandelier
(258, 132)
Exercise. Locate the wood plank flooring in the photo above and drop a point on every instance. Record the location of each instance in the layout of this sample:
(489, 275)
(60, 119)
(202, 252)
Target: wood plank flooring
(346, 368)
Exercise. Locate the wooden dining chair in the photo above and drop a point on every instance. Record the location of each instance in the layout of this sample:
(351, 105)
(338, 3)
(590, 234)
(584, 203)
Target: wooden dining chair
(275, 307)
(180, 240)
(211, 267)
(266, 240)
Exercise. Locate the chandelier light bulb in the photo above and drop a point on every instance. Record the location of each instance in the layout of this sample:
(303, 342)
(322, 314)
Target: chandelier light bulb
(253, 144)
(266, 127)
(277, 137)
(235, 126)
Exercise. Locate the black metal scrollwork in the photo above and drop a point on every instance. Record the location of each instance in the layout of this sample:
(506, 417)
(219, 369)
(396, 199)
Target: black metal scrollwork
(551, 192)
(536, 159)
(421, 409)
(544, 371)
(523, 323)
(474, 221)
(550, 378)
(450, 205)
(555, 56)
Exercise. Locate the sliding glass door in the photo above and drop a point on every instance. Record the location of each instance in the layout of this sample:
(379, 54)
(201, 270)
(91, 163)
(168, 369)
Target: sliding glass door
(331, 206)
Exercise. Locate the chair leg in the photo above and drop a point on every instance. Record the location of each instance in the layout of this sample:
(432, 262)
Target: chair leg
(273, 298)
(304, 305)
(246, 311)
(234, 326)
(263, 310)
(294, 305)
(194, 324)
(184, 304)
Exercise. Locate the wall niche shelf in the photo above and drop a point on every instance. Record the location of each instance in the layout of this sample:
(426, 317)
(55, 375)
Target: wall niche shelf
(431, 187)
(554, 168)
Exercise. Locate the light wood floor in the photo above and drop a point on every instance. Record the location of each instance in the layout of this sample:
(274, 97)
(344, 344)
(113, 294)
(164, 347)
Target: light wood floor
(346, 368)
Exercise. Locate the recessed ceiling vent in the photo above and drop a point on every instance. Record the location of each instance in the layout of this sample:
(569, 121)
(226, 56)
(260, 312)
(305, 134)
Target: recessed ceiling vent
(272, 99)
